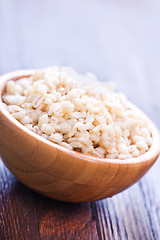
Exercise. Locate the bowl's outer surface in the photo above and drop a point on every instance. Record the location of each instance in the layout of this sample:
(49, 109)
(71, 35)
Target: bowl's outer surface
(60, 173)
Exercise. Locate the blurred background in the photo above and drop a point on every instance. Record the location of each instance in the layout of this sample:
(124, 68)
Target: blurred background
(117, 40)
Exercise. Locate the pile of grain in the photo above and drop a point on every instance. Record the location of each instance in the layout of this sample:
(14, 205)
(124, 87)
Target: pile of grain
(78, 112)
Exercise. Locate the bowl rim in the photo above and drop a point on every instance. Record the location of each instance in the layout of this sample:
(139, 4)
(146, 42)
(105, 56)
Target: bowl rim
(153, 151)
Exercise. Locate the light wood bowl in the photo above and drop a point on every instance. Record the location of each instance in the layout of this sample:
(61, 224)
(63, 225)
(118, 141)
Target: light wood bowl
(60, 173)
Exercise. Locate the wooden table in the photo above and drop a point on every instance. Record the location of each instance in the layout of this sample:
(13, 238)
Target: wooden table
(117, 40)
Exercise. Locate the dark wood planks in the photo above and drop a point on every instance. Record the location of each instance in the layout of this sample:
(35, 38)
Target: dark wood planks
(66, 221)
(27, 215)
(17, 215)
(118, 41)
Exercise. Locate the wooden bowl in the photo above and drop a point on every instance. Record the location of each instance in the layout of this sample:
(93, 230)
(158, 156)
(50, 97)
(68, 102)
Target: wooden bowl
(60, 173)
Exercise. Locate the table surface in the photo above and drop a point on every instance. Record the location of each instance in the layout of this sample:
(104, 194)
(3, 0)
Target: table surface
(117, 40)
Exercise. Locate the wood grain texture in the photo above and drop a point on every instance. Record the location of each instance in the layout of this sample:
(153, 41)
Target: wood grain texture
(27, 215)
(117, 40)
